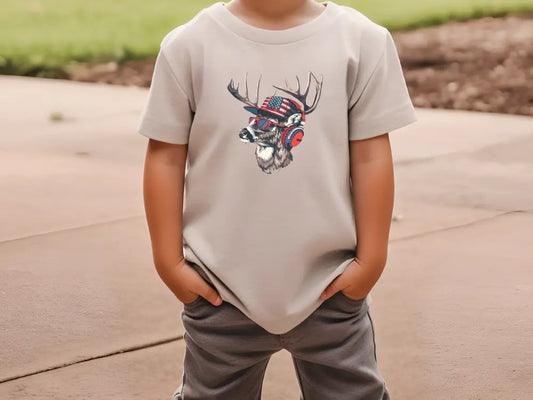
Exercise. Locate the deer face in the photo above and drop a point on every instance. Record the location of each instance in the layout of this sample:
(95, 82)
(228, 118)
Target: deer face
(266, 132)
(276, 127)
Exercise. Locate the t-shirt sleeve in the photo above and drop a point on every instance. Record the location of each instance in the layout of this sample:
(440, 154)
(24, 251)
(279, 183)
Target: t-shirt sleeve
(380, 100)
(167, 114)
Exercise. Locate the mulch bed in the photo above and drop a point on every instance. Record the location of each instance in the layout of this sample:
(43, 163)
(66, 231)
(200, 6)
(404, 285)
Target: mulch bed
(477, 65)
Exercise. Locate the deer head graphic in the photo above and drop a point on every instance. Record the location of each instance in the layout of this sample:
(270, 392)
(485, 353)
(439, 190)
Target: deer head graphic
(278, 125)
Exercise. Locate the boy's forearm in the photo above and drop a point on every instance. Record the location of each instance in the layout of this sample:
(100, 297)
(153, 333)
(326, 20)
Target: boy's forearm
(163, 181)
(373, 197)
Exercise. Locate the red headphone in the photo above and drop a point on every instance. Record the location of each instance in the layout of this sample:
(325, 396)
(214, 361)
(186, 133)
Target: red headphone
(293, 135)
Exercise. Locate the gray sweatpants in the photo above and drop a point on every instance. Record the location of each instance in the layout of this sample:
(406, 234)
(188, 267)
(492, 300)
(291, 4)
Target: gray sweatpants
(333, 351)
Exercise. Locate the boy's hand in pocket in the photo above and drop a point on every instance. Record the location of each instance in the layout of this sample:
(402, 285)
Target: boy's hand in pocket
(189, 285)
(354, 282)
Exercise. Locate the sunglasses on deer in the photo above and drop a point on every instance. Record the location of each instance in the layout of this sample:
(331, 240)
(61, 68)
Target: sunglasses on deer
(263, 123)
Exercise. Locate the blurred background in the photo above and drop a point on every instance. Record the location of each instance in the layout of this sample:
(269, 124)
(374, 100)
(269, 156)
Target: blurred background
(84, 314)
(482, 64)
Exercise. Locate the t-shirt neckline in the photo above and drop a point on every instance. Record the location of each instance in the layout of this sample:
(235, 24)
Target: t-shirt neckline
(273, 36)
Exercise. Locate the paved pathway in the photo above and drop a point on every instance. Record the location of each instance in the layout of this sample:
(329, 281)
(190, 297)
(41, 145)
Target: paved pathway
(85, 316)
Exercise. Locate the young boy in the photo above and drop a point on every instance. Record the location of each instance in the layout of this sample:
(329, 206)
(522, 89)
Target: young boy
(282, 109)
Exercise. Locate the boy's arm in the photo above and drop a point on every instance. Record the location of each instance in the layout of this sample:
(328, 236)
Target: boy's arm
(164, 170)
(163, 188)
(371, 170)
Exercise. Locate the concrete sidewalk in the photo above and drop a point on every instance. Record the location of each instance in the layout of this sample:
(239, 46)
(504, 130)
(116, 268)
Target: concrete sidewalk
(85, 316)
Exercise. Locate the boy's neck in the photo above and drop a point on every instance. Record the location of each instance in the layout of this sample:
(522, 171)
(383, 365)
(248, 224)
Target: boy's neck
(275, 10)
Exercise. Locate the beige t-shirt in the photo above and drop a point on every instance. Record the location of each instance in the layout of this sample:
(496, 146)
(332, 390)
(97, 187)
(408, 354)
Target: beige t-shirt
(268, 116)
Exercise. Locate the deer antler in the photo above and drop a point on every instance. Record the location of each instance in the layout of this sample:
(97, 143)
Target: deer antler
(303, 96)
(234, 90)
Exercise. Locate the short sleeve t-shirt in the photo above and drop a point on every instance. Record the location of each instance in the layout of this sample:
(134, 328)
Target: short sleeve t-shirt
(268, 116)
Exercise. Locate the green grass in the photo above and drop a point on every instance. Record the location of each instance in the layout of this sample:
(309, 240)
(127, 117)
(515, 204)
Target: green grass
(408, 14)
(38, 37)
